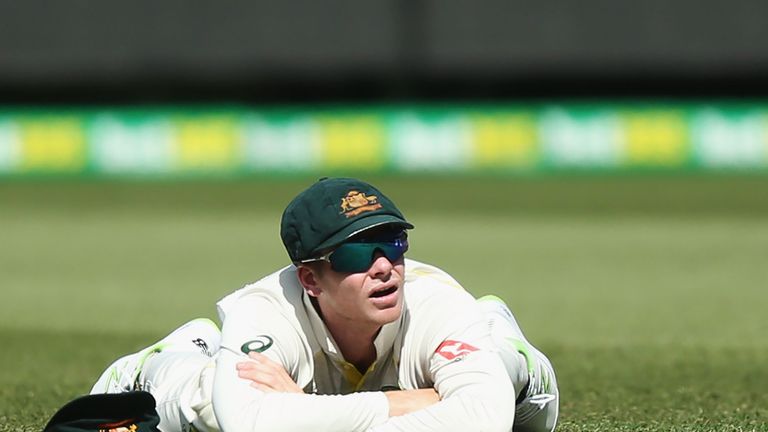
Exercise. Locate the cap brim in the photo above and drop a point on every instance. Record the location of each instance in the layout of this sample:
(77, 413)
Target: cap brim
(111, 405)
(361, 225)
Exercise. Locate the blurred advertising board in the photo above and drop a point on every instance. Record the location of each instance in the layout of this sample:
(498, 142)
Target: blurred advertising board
(504, 138)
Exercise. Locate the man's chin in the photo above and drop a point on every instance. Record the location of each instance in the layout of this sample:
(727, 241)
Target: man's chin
(386, 315)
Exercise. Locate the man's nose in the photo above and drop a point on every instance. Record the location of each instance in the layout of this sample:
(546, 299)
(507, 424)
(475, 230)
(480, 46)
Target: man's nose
(381, 266)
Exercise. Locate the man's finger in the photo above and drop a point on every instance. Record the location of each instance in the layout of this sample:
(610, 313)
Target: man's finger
(266, 377)
(267, 374)
(260, 366)
(246, 365)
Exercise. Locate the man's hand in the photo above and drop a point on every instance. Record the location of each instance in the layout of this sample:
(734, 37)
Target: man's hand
(267, 375)
(407, 401)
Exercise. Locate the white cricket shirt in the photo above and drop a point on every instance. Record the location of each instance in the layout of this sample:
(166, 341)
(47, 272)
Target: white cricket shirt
(441, 340)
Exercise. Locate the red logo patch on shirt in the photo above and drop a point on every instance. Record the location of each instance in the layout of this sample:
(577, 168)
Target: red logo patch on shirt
(451, 349)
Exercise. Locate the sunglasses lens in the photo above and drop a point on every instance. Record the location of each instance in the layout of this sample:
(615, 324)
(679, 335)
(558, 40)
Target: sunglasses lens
(348, 258)
(358, 257)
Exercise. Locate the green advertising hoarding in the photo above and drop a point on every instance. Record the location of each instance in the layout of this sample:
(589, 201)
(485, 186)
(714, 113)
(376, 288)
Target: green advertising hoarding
(532, 138)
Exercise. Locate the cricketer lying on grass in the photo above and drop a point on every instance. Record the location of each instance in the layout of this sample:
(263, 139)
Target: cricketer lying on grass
(344, 338)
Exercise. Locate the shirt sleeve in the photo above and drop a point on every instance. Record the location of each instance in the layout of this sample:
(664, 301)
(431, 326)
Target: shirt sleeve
(475, 390)
(242, 408)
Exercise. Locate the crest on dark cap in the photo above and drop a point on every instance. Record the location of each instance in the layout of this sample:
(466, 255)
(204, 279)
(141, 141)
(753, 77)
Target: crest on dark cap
(332, 210)
(117, 412)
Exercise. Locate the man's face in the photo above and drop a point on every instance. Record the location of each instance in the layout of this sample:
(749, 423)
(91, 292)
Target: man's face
(373, 297)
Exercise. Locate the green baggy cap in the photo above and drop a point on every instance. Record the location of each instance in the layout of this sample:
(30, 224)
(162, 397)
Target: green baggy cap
(118, 412)
(332, 210)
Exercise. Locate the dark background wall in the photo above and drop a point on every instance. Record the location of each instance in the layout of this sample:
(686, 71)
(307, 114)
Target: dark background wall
(306, 50)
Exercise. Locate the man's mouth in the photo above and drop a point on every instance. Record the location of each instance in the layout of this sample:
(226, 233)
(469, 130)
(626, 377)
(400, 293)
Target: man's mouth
(384, 292)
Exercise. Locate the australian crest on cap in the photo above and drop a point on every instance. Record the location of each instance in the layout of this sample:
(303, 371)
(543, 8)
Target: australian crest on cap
(124, 426)
(356, 202)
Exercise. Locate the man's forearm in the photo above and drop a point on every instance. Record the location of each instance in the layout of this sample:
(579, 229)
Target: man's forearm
(270, 376)
(407, 401)
(239, 407)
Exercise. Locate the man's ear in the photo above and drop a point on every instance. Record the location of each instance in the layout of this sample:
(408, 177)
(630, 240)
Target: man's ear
(308, 279)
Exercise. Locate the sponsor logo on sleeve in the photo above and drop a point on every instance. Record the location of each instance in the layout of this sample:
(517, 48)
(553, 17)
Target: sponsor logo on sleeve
(259, 345)
(451, 349)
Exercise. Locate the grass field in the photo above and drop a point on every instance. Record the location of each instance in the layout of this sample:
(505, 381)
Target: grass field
(648, 293)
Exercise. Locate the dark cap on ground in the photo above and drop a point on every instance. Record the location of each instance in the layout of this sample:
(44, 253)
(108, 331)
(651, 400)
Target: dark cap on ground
(119, 412)
(332, 210)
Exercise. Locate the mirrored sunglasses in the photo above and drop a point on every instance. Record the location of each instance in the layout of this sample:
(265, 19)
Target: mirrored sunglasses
(358, 256)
